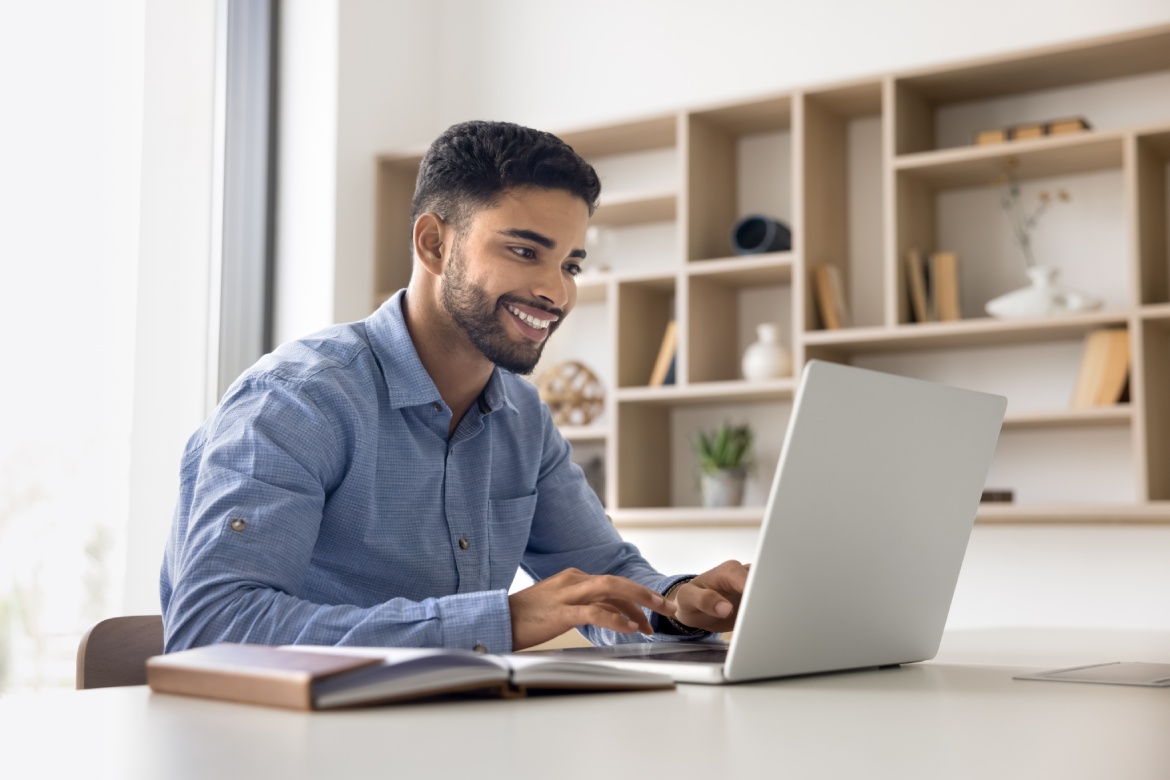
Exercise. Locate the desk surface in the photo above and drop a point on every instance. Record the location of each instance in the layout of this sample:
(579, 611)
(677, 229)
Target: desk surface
(959, 716)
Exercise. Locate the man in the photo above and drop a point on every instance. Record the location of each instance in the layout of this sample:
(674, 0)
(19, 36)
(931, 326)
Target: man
(380, 482)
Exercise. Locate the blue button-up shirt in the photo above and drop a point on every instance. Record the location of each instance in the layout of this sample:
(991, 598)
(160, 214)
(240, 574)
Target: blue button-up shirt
(324, 503)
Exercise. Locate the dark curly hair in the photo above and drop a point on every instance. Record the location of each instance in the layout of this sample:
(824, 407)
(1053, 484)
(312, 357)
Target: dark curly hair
(472, 164)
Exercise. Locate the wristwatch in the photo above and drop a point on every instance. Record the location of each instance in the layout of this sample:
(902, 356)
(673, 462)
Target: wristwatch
(676, 628)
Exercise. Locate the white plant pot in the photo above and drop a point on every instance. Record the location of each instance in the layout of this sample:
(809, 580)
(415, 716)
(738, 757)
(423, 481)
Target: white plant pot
(766, 358)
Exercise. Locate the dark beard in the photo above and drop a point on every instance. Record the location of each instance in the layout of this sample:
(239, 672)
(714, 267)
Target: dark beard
(479, 319)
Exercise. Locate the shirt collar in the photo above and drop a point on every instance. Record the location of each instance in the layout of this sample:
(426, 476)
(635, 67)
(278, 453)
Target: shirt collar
(407, 381)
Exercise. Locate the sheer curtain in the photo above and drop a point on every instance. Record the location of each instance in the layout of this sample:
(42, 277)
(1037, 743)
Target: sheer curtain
(71, 72)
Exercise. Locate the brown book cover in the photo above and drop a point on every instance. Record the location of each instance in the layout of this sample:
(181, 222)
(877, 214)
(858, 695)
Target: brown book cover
(830, 296)
(997, 136)
(1029, 130)
(944, 286)
(1063, 126)
(321, 678)
(666, 352)
(1104, 369)
(916, 278)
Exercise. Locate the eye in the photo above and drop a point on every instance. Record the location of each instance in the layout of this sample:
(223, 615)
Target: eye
(523, 251)
(572, 269)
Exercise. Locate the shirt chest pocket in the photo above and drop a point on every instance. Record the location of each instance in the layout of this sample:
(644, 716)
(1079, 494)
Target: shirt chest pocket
(511, 522)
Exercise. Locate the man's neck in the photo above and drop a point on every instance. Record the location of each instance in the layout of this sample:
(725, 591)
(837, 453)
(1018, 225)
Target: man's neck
(458, 369)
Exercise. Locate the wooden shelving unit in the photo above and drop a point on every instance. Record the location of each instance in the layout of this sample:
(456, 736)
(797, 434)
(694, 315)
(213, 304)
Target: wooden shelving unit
(863, 172)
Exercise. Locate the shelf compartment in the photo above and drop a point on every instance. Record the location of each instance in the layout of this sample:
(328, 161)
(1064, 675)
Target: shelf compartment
(1120, 414)
(1151, 156)
(639, 135)
(963, 333)
(393, 258)
(1154, 377)
(737, 161)
(921, 94)
(645, 304)
(1038, 159)
(636, 209)
(708, 392)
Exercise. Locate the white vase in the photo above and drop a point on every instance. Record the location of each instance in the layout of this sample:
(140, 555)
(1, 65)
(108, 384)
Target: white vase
(1042, 298)
(766, 358)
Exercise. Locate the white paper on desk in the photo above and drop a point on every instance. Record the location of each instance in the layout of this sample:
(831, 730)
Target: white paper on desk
(1115, 673)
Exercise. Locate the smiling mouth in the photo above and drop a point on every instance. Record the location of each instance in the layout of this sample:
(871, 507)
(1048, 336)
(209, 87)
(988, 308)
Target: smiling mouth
(528, 319)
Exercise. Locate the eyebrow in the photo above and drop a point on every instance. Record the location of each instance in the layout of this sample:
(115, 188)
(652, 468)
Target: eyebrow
(538, 238)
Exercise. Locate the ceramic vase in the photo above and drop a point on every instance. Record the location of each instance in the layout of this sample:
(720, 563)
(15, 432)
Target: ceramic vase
(1042, 298)
(723, 488)
(766, 358)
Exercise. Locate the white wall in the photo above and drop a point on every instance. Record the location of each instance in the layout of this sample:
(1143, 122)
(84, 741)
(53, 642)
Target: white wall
(407, 69)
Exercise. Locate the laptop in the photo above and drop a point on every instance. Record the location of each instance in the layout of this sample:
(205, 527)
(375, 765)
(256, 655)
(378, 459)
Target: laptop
(863, 536)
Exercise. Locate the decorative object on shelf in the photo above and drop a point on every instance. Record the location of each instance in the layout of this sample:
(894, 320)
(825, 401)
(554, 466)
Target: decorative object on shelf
(758, 234)
(724, 459)
(1043, 297)
(1028, 130)
(830, 297)
(766, 358)
(599, 249)
(663, 371)
(574, 394)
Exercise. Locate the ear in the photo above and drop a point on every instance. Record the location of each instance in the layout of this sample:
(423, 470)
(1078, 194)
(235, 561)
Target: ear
(430, 241)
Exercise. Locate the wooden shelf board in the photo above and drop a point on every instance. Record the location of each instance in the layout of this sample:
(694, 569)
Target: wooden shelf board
(759, 116)
(983, 331)
(1153, 513)
(636, 209)
(1038, 159)
(1119, 414)
(585, 433)
(638, 135)
(1115, 56)
(1158, 312)
(745, 271)
(709, 392)
(688, 517)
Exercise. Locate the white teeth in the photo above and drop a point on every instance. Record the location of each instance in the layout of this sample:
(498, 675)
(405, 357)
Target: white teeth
(528, 318)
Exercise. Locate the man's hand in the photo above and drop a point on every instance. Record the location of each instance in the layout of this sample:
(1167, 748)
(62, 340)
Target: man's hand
(573, 598)
(711, 600)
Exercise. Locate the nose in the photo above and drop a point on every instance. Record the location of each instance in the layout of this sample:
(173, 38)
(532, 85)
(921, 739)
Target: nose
(554, 287)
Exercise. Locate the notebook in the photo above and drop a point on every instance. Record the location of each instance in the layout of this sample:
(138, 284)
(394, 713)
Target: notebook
(863, 535)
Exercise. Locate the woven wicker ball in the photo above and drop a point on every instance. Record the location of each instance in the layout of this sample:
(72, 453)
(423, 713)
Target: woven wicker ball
(574, 394)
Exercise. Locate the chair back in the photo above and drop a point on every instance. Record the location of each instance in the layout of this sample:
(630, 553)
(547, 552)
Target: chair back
(114, 651)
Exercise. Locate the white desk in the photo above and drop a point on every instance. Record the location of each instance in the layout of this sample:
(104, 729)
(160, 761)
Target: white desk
(959, 716)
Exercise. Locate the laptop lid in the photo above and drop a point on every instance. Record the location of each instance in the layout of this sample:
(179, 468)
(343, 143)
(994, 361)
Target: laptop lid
(866, 525)
(863, 536)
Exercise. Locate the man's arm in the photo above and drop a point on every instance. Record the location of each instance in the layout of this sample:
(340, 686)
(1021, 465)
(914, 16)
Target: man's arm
(246, 526)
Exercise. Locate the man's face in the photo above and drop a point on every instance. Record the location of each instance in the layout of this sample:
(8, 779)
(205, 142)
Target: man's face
(509, 281)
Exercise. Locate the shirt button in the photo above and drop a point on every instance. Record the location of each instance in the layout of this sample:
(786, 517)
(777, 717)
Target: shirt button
(479, 648)
(238, 524)
(438, 407)
(463, 543)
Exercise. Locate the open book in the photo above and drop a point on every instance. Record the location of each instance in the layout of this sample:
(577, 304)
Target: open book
(319, 678)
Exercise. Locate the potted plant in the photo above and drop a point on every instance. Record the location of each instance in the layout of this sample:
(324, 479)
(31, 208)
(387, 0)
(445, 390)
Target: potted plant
(724, 458)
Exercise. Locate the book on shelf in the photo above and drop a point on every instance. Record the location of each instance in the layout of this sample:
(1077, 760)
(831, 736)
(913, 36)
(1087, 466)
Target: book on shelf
(1104, 371)
(323, 678)
(1072, 125)
(830, 297)
(944, 286)
(916, 272)
(664, 364)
